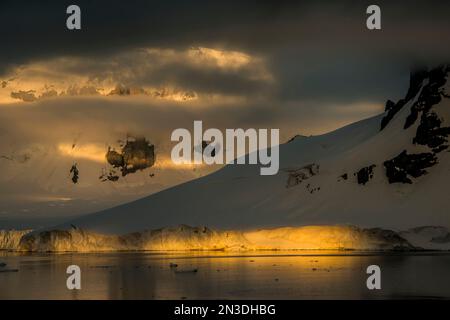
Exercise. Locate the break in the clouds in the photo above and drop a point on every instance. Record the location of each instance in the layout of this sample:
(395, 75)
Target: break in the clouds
(315, 50)
(155, 72)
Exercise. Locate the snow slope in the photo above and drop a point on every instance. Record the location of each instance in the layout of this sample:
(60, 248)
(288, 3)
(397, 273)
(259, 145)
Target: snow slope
(390, 172)
(237, 197)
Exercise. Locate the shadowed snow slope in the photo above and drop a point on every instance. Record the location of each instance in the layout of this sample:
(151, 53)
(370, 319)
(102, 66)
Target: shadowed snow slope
(336, 178)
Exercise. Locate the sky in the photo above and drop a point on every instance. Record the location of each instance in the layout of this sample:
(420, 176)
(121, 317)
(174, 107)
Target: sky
(305, 67)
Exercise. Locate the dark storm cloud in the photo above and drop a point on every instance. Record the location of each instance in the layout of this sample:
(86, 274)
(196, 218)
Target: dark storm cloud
(208, 81)
(316, 50)
(35, 30)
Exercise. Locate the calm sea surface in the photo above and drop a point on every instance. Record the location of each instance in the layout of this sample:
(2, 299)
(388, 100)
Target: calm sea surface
(262, 275)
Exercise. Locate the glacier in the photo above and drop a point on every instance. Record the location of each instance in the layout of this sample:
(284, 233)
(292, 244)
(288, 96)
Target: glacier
(187, 238)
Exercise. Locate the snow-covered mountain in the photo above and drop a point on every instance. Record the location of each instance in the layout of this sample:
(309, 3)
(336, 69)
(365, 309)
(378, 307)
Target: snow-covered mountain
(391, 171)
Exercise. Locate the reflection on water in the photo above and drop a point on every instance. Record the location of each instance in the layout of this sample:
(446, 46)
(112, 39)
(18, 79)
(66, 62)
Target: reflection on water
(304, 275)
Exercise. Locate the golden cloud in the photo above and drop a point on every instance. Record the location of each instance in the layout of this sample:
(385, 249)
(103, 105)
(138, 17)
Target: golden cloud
(150, 72)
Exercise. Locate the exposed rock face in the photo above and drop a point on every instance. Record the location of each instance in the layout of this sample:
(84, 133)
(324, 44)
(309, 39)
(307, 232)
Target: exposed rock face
(392, 108)
(115, 158)
(296, 176)
(399, 168)
(136, 154)
(110, 176)
(427, 89)
(75, 173)
(430, 95)
(365, 174)
(430, 131)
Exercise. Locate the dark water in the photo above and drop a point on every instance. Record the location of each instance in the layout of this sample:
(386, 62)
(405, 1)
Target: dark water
(308, 275)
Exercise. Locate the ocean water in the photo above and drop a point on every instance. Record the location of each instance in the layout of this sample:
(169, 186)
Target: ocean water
(261, 275)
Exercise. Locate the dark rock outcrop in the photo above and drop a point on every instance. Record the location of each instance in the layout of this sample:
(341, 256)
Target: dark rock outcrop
(365, 174)
(399, 169)
(431, 94)
(296, 176)
(431, 134)
(75, 173)
(136, 154)
(392, 108)
(110, 176)
(430, 131)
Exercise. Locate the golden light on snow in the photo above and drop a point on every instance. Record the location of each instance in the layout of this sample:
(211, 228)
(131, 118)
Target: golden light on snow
(96, 152)
(221, 58)
(167, 163)
(88, 151)
(186, 238)
(309, 238)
